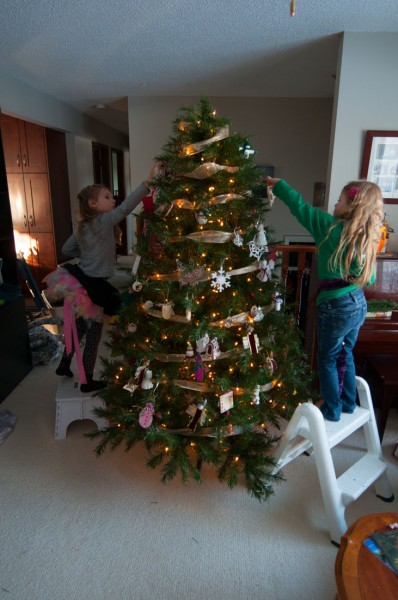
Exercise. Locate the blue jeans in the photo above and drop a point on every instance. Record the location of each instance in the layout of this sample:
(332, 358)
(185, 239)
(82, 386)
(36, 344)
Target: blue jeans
(338, 323)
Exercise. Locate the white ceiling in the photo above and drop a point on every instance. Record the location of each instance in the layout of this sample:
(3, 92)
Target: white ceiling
(88, 52)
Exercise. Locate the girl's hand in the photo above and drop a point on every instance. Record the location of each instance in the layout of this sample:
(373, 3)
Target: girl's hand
(156, 167)
(271, 181)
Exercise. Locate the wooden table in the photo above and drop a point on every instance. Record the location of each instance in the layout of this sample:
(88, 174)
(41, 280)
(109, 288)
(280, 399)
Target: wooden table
(360, 575)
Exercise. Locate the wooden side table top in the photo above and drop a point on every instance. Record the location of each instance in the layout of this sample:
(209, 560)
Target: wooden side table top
(360, 575)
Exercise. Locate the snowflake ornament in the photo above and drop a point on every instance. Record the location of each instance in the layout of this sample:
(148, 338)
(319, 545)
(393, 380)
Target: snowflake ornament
(238, 239)
(256, 250)
(220, 280)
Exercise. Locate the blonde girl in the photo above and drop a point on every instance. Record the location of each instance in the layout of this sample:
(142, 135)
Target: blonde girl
(347, 244)
(88, 296)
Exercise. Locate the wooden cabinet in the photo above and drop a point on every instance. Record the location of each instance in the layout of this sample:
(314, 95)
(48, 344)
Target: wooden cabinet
(24, 146)
(29, 185)
(30, 202)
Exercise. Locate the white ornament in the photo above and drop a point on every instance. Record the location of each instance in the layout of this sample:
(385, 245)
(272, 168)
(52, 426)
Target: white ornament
(130, 386)
(137, 286)
(131, 327)
(238, 240)
(189, 351)
(220, 280)
(213, 349)
(256, 395)
(147, 381)
(167, 310)
(270, 195)
(226, 401)
(261, 238)
(265, 270)
(201, 218)
(278, 302)
(257, 313)
(202, 343)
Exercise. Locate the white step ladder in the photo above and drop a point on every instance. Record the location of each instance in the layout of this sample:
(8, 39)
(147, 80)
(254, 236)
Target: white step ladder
(307, 430)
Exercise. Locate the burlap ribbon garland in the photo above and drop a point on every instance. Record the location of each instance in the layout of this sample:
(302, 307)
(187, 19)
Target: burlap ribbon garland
(190, 149)
(207, 277)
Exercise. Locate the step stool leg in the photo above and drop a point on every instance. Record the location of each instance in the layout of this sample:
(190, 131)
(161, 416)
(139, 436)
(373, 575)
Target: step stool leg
(331, 494)
(382, 484)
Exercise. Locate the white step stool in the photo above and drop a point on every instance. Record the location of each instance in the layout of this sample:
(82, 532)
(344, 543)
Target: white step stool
(73, 405)
(308, 430)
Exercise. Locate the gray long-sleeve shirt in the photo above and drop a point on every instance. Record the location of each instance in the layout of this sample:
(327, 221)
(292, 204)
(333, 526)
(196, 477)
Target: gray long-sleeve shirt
(96, 245)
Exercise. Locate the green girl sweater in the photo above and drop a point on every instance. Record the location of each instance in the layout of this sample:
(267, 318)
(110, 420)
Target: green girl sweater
(318, 223)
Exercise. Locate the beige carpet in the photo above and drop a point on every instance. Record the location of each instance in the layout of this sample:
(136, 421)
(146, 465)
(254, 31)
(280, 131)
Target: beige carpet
(74, 526)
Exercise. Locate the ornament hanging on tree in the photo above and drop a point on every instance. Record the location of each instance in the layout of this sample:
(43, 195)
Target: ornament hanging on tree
(256, 395)
(137, 286)
(201, 217)
(265, 272)
(220, 280)
(202, 343)
(145, 417)
(213, 349)
(189, 351)
(259, 244)
(278, 302)
(198, 368)
(247, 149)
(130, 386)
(226, 401)
(196, 418)
(238, 239)
(270, 195)
(147, 380)
(270, 363)
(187, 277)
(167, 310)
(131, 327)
(228, 322)
(257, 313)
(251, 341)
(140, 372)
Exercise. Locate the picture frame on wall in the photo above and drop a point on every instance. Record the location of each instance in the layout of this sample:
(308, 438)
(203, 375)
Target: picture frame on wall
(319, 194)
(380, 162)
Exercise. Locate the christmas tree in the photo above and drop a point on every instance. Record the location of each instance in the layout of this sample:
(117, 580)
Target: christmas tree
(204, 358)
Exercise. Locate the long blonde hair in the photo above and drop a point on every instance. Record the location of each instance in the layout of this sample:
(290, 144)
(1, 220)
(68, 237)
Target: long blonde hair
(361, 232)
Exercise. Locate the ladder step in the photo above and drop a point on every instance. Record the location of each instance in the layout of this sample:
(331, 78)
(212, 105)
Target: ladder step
(353, 482)
(337, 432)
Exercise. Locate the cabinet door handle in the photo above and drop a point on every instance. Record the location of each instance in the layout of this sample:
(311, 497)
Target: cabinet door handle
(31, 220)
(18, 160)
(25, 162)
(25, 221)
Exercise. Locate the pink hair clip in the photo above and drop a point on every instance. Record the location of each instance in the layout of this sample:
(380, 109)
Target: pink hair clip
(352, 192)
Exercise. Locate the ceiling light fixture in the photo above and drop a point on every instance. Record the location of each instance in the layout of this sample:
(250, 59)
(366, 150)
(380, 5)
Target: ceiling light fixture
(292, 8)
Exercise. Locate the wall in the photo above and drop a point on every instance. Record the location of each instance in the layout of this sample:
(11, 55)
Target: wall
(292, 134)
(22, 101)
(367, 86)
